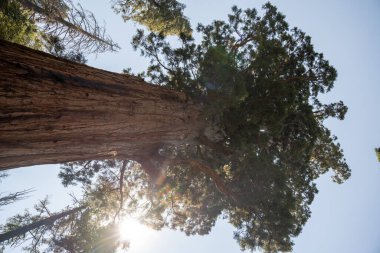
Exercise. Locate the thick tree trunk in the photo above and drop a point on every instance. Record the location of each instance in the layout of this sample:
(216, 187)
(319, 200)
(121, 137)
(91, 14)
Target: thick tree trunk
(53, 111)
(43, 222)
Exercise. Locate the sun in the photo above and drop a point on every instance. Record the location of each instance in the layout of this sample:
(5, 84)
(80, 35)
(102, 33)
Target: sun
(133, 231)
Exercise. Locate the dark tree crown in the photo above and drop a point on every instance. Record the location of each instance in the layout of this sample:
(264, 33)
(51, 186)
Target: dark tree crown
(259, 81)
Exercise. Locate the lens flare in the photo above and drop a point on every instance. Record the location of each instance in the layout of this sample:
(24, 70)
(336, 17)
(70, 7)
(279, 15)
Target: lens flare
(135, 233)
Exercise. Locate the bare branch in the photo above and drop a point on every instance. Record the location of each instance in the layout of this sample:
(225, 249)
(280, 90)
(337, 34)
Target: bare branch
(76, 27)
(13, 197)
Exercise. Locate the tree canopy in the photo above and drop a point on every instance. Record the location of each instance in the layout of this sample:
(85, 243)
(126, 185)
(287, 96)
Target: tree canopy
(161, 16)
(260, 82)
(15, 25)
(112, 189)
(264, 142)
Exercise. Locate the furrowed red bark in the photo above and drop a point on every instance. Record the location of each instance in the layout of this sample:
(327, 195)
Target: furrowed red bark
(55, 111)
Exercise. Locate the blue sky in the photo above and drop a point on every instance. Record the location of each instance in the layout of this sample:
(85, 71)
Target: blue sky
(345, 218)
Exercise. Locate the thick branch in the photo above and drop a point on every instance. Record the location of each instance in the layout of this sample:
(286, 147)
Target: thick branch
(243, 42)
(121, 186)
(202, 139)
(208, 171)
(121, 183)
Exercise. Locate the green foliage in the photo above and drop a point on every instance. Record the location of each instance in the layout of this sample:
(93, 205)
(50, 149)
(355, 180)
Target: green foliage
(259, 81)
(184, 200)
(54, 45)
(160, 16)
(377, 151)
(112, 189)
(255, 164)
(16, 25)
(56, 26)
(76, 28)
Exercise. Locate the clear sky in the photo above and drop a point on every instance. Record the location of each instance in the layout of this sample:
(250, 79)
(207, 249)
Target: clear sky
(345, 218)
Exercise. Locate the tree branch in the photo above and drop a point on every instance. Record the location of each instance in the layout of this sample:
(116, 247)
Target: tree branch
(202, 139)
(43, 222)
(155, 3)
(13, 197)
(208, 171)
(95, 35)
(121, 183)
(242, 42)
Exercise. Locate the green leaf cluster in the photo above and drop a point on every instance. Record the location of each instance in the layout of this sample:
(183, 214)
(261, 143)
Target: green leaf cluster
(93, 223)
(160, 16)
(260, 83)
(17, 26)
(256, 162)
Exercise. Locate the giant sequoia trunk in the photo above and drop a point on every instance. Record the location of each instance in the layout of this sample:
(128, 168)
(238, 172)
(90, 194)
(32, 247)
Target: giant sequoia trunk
(54, 111)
